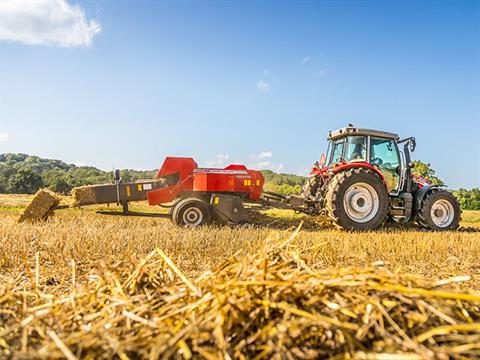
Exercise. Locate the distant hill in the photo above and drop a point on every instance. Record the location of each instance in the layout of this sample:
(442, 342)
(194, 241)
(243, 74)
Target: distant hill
(25, 174)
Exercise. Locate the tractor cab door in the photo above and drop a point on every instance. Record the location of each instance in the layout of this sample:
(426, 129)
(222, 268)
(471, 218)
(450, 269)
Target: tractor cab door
(385, 157)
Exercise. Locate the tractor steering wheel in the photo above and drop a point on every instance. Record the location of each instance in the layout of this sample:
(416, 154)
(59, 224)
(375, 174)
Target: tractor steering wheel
(377, 161)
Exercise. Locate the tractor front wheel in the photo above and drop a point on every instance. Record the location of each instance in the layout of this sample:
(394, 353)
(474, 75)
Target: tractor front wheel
(191, 212)
(440, 211)
(357, 199)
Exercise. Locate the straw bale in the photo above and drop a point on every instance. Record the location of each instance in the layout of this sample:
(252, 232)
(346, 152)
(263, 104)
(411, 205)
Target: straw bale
(40, 207)
(84, 195)
(269, 304)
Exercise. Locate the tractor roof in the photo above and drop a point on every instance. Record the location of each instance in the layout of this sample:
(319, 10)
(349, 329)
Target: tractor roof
(350, 130)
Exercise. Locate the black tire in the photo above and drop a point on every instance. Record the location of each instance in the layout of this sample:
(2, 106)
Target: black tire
(172, 207)
(310, 187)
(191, 212)
(439, 206)
(353, 181)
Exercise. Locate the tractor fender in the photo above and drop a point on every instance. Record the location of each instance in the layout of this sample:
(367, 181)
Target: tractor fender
(419, 195)
(347, 166)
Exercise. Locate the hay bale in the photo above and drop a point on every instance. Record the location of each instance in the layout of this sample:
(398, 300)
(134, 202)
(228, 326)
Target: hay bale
(84, 195)
(41, 206)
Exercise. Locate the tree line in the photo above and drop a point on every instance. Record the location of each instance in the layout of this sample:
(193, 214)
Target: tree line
(25, 174)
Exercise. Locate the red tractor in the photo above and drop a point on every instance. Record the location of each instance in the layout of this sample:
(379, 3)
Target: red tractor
(366, 179)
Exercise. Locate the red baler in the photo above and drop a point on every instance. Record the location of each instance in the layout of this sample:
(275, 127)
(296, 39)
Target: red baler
(194, 195)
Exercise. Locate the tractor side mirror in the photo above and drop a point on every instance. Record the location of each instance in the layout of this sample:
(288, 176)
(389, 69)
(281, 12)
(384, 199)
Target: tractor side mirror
(413, 145)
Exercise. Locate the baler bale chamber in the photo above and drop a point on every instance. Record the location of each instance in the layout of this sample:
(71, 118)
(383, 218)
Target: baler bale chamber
(205, 194)
(120, 193)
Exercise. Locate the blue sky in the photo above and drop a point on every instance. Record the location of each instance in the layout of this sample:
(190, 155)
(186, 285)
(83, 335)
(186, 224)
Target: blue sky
(259, 83)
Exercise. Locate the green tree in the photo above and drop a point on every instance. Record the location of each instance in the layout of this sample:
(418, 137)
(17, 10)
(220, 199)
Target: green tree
(424, 170)
(5, 173)
(24, 181)
(60, 185)
(468, 199)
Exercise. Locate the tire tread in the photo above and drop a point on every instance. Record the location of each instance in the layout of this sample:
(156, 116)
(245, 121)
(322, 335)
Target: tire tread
(332, 194)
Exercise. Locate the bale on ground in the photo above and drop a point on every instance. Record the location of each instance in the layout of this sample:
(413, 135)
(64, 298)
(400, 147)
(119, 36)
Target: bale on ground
(41, 206)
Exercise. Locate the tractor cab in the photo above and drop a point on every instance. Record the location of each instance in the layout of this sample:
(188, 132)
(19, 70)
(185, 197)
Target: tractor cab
(372, 148)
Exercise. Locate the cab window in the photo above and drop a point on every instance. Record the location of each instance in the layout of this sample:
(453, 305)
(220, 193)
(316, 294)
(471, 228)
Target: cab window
(337, 152)
(356, 149)
(384, 156)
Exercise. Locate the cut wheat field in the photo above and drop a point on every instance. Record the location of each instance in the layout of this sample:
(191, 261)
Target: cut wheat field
(85, 285)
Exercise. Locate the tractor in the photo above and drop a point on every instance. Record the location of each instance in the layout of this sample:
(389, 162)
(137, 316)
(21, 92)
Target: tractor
(366, 179)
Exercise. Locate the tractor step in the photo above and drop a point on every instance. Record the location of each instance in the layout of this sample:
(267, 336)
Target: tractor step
(401, 206)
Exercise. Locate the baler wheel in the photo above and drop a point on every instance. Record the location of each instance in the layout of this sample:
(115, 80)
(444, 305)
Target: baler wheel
(172, 207)
(440, 211)
(357, 199)
(191, 212)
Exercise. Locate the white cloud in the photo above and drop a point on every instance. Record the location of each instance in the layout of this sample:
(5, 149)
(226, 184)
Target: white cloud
(43, 22)
(263, 86)
(277, 167)
(265, 154)
(260, 161)
(262, 164)
(261, 155)
(309, 60)
(3, 137)
(220, 159)
(266, 72)
(267, 165)
(322, 73)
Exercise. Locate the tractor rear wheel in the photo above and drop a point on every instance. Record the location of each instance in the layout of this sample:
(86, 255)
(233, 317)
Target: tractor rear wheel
(357, 199)
(440, 211)
(191, 212)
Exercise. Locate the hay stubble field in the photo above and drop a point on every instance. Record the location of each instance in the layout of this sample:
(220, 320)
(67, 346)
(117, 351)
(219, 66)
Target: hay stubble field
(87, 285)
